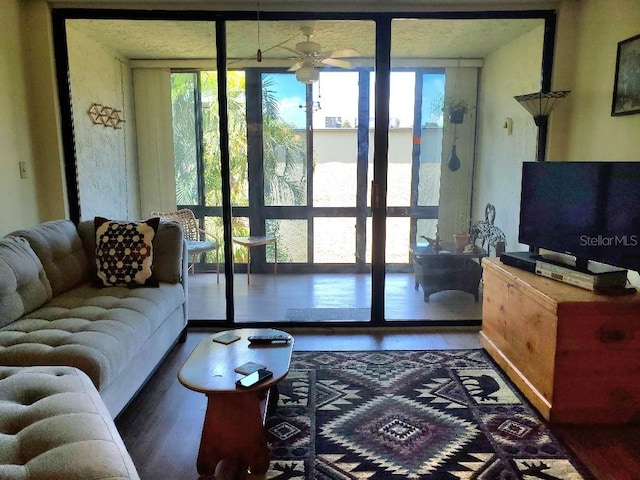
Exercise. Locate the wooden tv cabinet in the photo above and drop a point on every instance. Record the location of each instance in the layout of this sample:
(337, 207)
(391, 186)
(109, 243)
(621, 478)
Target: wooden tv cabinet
(574, 354)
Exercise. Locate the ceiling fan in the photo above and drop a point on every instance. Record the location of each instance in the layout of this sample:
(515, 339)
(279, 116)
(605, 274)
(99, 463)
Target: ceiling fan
(309, 56)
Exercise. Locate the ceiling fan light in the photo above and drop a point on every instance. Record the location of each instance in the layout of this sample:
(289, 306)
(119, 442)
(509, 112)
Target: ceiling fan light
(308, 47)
(307, 74)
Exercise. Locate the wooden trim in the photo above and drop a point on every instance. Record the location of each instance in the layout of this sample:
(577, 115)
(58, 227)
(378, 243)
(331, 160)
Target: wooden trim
(517, 377)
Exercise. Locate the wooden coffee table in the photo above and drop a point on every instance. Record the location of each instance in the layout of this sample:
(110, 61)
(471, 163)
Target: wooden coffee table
(233, 427)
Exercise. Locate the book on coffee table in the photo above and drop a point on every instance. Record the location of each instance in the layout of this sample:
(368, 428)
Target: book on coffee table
(226, 338)
(249, 368)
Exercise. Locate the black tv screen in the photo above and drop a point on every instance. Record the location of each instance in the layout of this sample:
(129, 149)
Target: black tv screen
(590, 210)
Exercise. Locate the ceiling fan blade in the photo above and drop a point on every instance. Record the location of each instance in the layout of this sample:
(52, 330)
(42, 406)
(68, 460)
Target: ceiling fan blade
(334, 62)
(295, 66)
(345, 52)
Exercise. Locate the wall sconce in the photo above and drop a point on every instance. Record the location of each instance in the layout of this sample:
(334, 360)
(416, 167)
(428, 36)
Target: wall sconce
(105, 116)
(539, 105)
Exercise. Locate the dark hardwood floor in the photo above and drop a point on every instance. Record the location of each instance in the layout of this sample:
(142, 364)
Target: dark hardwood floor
(610, 452)
(161, 427)
(269, 297)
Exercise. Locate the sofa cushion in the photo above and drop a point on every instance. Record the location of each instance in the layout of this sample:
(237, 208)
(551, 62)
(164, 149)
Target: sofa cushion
(54, 425)
(23, 284)
(124, 252)
(96, 330)
(167, 248)
(60, 250)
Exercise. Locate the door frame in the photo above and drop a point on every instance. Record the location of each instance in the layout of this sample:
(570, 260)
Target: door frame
(382, 74)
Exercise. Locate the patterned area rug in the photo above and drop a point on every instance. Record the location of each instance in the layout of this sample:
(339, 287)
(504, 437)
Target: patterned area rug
(408, 415)
(327, 314)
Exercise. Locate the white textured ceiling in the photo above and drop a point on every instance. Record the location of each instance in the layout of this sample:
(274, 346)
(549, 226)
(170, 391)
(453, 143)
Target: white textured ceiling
(411, 38)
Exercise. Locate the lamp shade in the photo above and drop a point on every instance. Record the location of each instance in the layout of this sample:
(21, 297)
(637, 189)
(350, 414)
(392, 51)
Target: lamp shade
(307, 74)
(540, 104)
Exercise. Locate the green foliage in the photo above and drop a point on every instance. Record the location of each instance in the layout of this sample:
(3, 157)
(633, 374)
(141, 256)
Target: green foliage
(284, 153)
(442, 106)
(284, 149)
(453, 104)
(436, 108)
(182, 93)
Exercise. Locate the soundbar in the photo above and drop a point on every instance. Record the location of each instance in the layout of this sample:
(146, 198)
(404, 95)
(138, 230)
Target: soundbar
(524, 260)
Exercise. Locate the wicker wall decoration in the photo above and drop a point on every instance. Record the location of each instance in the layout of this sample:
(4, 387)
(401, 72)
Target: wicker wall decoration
(105, 116)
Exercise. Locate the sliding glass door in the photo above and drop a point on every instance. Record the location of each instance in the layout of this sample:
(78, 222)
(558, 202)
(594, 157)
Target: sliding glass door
(307, 164)
(430, 171)
(265, 126)
(413, 185)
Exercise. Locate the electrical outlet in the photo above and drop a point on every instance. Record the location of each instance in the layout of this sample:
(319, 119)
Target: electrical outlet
(23, 169)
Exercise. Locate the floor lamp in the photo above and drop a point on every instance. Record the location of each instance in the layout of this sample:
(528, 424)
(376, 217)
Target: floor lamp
(539, 105)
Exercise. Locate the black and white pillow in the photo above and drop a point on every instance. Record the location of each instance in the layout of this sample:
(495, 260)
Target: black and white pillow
(124, 252)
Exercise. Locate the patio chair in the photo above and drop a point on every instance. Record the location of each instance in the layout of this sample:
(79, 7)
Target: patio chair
(191, 230)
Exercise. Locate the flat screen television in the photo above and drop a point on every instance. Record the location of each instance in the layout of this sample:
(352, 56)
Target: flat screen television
(588, 210)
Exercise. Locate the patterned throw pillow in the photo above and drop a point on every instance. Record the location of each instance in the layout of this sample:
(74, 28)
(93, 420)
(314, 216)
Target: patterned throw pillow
(124, 252)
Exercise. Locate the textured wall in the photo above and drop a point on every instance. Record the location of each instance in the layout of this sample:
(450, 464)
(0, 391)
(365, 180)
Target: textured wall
(106, 156)
(511, 70)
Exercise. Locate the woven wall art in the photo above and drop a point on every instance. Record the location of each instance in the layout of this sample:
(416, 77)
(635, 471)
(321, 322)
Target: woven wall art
(105, 116)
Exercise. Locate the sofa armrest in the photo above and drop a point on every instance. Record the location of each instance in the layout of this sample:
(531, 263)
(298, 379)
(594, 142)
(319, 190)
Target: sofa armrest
(168, 253)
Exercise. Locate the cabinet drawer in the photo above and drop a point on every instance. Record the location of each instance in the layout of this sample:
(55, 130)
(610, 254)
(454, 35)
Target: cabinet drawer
(520, 329)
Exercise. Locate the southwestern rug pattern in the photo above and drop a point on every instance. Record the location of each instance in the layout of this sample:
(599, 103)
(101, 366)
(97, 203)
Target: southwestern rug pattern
(446, 414)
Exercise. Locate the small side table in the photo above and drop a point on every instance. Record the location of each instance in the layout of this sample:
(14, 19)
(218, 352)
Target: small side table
(445, 269)
(257, 241)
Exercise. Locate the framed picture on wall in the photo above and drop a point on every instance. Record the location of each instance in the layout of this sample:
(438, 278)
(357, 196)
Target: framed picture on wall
(626, 87)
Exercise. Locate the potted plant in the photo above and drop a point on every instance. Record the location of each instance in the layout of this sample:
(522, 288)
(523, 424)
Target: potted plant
(461, 240)
(461, 236)
(456, 110)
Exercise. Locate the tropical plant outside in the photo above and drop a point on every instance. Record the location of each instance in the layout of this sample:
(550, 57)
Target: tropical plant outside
(284, 152)
(184, 145)
(285, 178)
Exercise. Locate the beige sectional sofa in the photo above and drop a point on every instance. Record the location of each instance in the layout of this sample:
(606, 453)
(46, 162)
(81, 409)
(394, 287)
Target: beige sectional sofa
(52, 314)
(54, 425)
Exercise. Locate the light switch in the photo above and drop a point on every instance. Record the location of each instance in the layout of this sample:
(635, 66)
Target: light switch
(23, 169)
(508, 125)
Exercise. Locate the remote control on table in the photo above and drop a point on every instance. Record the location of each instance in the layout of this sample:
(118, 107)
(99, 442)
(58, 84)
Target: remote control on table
(264, 339)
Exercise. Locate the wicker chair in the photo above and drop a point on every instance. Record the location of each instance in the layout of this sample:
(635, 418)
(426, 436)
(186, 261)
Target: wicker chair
(192, 234)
